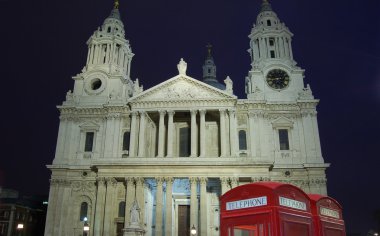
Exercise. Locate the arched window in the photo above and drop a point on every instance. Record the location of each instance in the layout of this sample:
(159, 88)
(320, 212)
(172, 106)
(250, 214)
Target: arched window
(121, 209)
(83, 211)
(126, 138)
(242, 140)
(269, 23)
(109, 30)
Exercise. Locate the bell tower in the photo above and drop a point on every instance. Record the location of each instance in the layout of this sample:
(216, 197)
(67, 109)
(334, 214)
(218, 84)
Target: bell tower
(106, 75)
(274, 75)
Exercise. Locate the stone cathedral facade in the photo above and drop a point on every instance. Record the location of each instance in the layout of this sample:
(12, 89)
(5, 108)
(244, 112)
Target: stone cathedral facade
(159, 159)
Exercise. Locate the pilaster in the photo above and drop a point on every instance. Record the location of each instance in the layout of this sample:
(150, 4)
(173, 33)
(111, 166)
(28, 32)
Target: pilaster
(170, 134)
(132, 145)
(203, 132)
(99, 208)
(203, 207)
(223, 134)
(161, 134)
(169, 206)
(194, 203)
(193, 133)
(142, 134)
(159, 181)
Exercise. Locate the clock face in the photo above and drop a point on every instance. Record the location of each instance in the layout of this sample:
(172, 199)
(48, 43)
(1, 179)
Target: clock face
(278, 79)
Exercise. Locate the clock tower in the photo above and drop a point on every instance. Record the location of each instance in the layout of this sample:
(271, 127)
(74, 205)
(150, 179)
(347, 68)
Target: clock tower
(274, 75)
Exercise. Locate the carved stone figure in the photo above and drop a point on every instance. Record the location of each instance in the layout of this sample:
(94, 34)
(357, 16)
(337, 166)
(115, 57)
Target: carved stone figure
(182, 67)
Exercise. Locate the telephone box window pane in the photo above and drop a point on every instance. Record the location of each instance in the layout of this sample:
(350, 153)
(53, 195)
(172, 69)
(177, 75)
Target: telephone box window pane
(242, 140)
(126, 141)
(83, 210)
(89, 142)
(284, 139)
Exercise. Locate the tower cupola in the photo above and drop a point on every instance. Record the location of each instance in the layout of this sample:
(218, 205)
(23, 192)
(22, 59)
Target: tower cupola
(108, 50)
(270, 39)
(209, 70)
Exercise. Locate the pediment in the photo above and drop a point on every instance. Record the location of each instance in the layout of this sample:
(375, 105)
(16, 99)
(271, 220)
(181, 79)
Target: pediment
(182, 87)
(89, 126)
(282, 122)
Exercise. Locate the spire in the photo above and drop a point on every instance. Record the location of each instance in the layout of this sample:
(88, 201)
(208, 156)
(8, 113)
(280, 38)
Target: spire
(116, 4)
(209, 70)
(265, 6)
(209, 47)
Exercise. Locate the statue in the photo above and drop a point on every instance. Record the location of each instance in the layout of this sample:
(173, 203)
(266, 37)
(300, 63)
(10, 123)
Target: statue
(135, 214)
(137, 89)
(229, 84)
(182, 67)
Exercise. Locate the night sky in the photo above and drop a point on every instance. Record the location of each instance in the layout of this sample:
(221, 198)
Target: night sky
(336, 42)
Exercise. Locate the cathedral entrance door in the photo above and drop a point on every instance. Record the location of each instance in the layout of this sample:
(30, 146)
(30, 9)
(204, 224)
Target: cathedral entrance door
(183, 220)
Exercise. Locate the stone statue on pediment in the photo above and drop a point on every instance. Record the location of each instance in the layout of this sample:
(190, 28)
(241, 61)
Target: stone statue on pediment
(182, 67)
(229, 85)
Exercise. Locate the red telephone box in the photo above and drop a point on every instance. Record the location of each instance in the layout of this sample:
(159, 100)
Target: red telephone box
(327, 215)
(266, 209)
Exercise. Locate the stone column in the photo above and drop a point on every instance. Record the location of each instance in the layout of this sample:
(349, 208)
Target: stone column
(140, 184)
(170, 134)
(224, 185)
(109, 206)
(203, 207)
(132, 145)
(194, 203)
(142, 134)
(252, 133)
(161, 134)
(169, 206)
(193, 133)
(158, 229)
(233, 133)
(99, 208)
(223, 135)
(203, 132)
(129, 197)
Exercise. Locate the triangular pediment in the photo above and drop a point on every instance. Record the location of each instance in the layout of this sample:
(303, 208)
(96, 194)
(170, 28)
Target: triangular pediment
(182, 87)
(282, 122)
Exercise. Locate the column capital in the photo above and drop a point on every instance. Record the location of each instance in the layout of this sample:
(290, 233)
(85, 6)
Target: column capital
(101, 181)
(171, 112)
(142, 113)
(231, 111)
(202, 112)
(160, 180)
(224, 180)
(111, 182)
(203, 180)
(129, 180)
(193, 180)
(134, 113)
(193, 112)
(162, 112)
(169, 180)
(140, 181)
(222, 111)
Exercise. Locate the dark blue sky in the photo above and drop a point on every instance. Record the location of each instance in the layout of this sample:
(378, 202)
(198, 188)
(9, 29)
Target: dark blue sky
(337, 42)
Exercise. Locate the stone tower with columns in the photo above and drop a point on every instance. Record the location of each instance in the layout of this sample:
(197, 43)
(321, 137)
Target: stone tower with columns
(175, 148)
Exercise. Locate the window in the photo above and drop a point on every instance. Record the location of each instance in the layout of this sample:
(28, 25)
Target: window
(109, 30)
(284, 139)
(184, 142)
(121, 209)
(272, 55)
(126, 138)
(271, 42)
(89, 143)
(242, 140)
(269, 23)
(83, 211)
